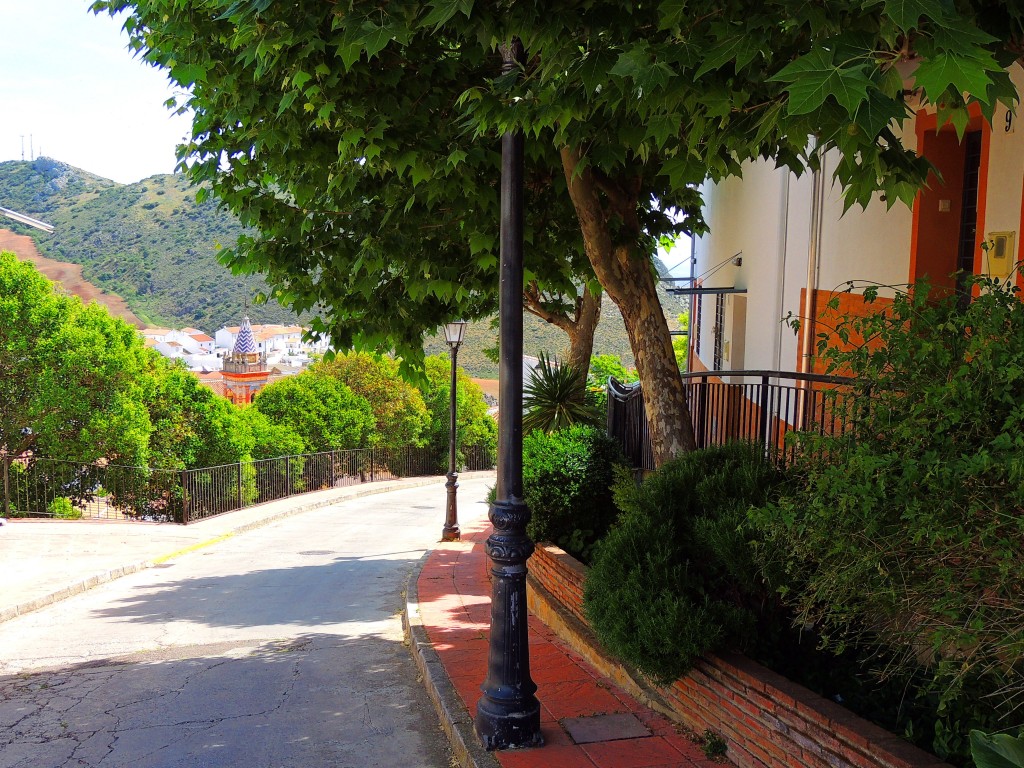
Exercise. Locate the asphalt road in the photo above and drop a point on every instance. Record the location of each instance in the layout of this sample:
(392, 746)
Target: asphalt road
(280, 647)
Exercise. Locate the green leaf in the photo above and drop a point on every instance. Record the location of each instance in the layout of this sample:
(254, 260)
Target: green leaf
(300, 78)
(481, 241)
(671, 13)
(813, 78)
(441, 12)
(286, 101)
(631, 62)
(661, 127)
(740, 50)
(455, 157)
(375, 39)
(188, 74)
(997, 750)
(420, 173)
(964, 74)
(877, 112)
(906, 14)
(593, 72)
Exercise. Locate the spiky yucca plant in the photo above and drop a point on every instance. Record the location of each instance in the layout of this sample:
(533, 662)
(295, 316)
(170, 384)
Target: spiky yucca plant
(556, 397)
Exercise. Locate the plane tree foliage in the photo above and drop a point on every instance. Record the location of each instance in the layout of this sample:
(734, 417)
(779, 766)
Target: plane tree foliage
(358, 138)
(356, 208)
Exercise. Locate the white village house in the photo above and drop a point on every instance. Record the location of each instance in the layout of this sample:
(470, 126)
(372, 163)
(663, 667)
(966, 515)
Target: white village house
(781, 244)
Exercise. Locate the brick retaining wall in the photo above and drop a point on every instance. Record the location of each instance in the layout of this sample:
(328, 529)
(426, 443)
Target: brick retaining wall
(766, 719)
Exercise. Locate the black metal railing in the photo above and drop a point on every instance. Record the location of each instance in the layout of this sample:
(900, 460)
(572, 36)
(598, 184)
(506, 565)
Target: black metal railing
(36, 487)
(756, 406)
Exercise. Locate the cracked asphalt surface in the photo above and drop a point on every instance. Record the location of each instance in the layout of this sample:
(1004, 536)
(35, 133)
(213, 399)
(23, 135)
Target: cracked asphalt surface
(280, 647)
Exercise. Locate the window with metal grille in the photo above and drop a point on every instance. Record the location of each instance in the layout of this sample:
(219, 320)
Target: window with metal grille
(719, 331)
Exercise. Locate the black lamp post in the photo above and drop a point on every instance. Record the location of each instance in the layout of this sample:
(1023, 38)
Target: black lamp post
(453, 335)
(508, 713)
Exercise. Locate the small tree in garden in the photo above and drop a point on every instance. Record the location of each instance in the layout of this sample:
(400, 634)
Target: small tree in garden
(907, 530)
(324, 413)
(398, 408)
(475, 429)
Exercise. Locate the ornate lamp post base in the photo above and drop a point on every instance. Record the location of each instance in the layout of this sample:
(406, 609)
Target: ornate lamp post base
(508, 713)
(450, 531)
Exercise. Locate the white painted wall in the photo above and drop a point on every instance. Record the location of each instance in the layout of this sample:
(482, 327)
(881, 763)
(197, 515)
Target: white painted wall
(871, 244)
(1006, 171)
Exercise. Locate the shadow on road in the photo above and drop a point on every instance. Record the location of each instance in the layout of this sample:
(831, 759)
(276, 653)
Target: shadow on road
(311, 700)
(347, 589)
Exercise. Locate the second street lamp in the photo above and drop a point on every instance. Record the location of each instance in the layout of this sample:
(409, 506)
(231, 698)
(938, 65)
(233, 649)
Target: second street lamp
(454, 333)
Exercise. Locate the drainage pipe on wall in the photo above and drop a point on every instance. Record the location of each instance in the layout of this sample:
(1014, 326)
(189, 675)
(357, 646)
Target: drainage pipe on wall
(783, 246)
(809, 311)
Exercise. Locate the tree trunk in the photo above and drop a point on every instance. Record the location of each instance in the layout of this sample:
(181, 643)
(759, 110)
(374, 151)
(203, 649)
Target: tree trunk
(580, 328)
(627, 275)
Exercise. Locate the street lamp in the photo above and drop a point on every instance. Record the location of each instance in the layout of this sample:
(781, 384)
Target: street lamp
(508, 713)
(26, 432)
(453, 335)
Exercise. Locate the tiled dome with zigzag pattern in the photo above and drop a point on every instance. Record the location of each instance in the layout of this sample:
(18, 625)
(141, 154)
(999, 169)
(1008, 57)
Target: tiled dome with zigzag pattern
(245, 344)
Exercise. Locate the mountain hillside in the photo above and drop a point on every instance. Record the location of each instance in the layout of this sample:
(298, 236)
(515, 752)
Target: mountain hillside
(151, 244)
(148, 242)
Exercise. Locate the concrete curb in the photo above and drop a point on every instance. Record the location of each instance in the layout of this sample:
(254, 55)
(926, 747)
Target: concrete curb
(70, 591)
(454, 717)
(95, 580)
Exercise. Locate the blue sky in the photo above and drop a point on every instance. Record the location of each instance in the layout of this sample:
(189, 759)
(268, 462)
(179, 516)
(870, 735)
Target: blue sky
(68, 80)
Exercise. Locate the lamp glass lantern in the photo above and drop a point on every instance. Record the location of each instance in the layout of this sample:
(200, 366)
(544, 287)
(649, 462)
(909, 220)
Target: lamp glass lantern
(454, 332)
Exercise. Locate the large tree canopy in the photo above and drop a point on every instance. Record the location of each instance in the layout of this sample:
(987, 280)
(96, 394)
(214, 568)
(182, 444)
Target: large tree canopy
(358, 138)
(72, 375)
(85, 386)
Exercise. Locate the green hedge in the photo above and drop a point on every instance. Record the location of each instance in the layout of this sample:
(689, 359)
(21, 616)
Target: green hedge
(567, 478)
(675, 577)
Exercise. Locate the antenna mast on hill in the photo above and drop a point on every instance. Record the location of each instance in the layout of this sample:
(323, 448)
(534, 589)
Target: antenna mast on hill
(23, 147)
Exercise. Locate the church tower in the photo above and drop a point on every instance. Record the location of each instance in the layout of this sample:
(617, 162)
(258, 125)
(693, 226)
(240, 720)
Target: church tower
(245, 367)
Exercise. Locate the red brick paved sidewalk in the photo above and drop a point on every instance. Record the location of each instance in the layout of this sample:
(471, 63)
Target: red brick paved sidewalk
(454, 606)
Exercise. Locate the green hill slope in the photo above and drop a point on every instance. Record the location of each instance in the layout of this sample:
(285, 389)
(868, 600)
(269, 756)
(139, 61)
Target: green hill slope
(154, 246)
(148, 242)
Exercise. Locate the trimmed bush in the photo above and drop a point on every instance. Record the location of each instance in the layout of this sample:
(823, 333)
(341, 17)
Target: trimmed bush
(676, 577)
(567, 478)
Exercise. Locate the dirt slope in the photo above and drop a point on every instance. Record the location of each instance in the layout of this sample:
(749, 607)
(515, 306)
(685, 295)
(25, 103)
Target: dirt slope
(68, 275)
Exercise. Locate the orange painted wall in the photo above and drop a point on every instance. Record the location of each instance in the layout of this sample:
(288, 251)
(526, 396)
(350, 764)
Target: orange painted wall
(849, 305)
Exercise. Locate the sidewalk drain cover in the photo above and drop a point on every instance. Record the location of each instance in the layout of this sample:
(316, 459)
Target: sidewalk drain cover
(585, 730)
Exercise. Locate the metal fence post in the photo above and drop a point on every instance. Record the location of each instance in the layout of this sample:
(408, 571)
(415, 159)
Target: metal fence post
(287, 476)
(240, 505)
(7, 485)
(763, 427)
(184, 498)
(371, 465)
